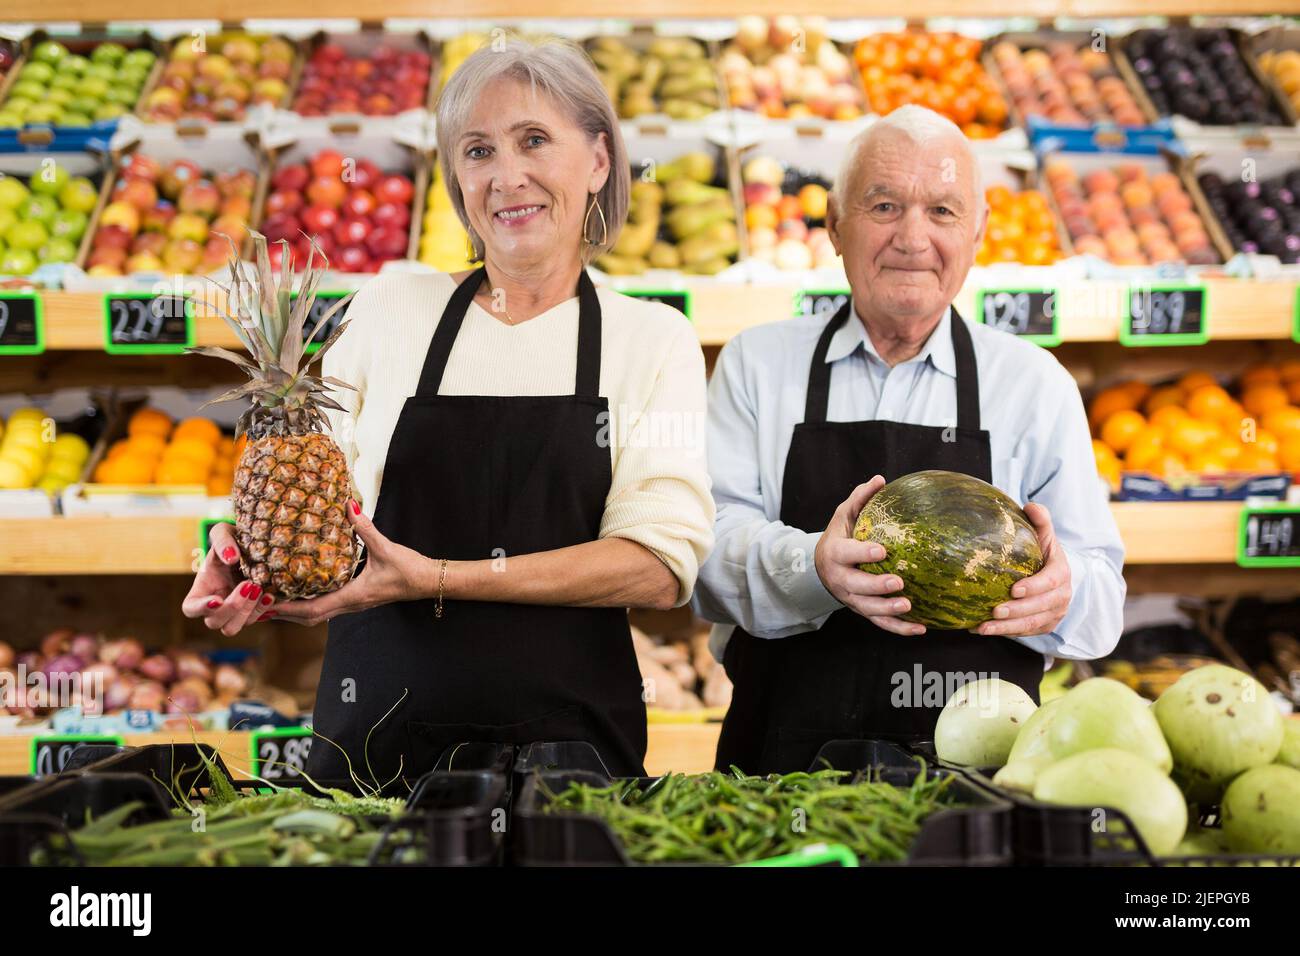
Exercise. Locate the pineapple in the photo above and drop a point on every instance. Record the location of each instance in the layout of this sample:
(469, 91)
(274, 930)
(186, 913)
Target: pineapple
(291, 484)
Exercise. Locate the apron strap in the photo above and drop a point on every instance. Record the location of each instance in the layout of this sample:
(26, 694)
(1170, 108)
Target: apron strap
(968, 386)
(587, 377)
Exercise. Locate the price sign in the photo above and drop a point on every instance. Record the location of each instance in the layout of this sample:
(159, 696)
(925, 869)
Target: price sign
(280, 754)
(1295, 316)
(205, 532)
(1269, 538)
(147, 323)
(22, 323)
(1028, 313)
(323, 302)
(50, 753)
(679, 299)
(1172, 314)
(819, 303)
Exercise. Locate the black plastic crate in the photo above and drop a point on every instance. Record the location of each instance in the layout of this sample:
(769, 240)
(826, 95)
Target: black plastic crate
(974, 833)
(453, 818)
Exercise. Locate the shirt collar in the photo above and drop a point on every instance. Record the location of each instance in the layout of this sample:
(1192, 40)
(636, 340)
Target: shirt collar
(937, 348)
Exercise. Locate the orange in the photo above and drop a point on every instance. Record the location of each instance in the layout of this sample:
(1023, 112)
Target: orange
(201, 428)
(1106, 403)
(1293, 391)
(219, 485)
(1254, 461)
(117, 448)
(129, 469)
(1165, 395)
(1145, 448)
(1207, 463)
(1191, 436)
(1263, 373)
(1289, 370)
(1289, 455)
(181, 472)
(1225, 447)
(761, 215)
(1196, 379)
(149, 421)
(1208, 402)
(1264, 442)
(1283, 422)
(1111, 470)
(1230, 418)
(1102, 452)
(146, 443)
(1121, 429)
(1167, 464)
(1168, 416)
(1259, 399)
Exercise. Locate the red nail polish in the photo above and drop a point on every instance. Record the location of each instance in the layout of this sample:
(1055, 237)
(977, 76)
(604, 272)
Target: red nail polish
(214, 604)
(228, 554)
(254, 591)
(243, 589)
(356, 508)
(266, 599)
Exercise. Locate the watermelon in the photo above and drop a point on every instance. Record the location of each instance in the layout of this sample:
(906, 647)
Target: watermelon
(958, 543)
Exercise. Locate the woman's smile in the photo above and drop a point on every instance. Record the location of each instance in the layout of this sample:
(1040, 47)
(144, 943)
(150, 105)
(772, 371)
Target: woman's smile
(513, 217)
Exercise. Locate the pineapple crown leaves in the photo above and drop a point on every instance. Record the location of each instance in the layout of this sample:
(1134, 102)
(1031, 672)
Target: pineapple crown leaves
(270, 322)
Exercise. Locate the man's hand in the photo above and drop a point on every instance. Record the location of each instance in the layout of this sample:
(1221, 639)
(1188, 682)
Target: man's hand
(837, 558)
(1040, 600)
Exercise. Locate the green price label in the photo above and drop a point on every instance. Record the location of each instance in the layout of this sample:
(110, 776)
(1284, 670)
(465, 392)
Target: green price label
(1295, 316)
(819, 303)
(1030, 314)
(1269, 537)
(323, 302)
(679, 299)
(22, 323)
(50, 753)
(205, 532)
(148, 323)
(280, 754)
(1166, 314)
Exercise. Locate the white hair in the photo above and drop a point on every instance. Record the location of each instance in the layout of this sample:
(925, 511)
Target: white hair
(920, 125)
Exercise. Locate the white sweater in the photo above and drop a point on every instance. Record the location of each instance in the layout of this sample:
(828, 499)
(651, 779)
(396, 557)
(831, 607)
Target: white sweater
(651, 372)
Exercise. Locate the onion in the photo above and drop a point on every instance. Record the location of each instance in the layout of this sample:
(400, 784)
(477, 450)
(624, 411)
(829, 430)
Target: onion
(190, 664)
(64, 664)
(57, 642)
(125, 653)
(117, 696)
(188, 697)
(96, 679)
(31, 661)
(85, 646)
(158, 667)
(148, 695)
(199, 687)
(6, 656)
(229, 680)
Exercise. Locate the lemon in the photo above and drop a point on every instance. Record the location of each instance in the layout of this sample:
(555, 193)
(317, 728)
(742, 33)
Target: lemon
(26, 439)
(30, 413)
(51, 485)
(70, 447)
(63, 469)
(13, 475)
(30, 461)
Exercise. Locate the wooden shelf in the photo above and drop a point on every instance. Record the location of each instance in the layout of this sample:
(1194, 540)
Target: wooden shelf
(1240, 310)
(685, 748)
(1153, 533)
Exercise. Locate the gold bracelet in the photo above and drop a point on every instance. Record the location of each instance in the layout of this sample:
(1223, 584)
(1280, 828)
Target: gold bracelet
(442, 580)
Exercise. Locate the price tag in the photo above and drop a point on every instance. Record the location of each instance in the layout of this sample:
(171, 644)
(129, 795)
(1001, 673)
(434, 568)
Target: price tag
(819, 303)
(205, 532)
(323, 302)
(50, 753)
(1269, 538)
(1028, 313)
(1295, 316)
(22, 323)
(1168, 314)
(280, 754)
(147, 323)
(679, 299)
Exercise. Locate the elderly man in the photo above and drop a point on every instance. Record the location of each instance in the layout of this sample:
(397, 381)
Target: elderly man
(801, 414)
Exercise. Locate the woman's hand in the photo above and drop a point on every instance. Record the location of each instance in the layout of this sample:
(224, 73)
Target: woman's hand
(219, 595)
(393, 572)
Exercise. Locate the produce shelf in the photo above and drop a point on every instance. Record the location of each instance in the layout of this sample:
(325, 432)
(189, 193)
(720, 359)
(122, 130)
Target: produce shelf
(1153, 532)
(1240, 310)
(685, 748)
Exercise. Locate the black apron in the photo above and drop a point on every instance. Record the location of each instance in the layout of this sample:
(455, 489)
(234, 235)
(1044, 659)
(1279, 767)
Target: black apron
(847, 679)
(485, 477)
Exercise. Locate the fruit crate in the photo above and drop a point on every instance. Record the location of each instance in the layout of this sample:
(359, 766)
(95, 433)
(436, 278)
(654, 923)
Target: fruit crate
(975, 832)
(452, 818)
(1267, 166)
(322, 52)
(183, 63)
(1126, 55)
(1107, 136)
(45, 136)
(23, 166)
(221, 155)
(356, 152)
(1274, 40)
(74, 412)
(1084, 164)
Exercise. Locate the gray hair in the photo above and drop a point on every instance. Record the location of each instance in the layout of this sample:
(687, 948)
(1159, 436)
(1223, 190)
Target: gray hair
(918, 124)
(562, 70)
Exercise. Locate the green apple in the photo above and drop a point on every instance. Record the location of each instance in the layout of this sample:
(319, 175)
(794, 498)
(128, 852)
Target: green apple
(74, 63)
(94, 86)
(69, 224)
(132, 76)
(50, 180)
(75, 119)
(78, 194)
(39, 208)
(18, 105)
(10, 121)
(65, 81)
(139, 59)
(110, 53)
(110, 111)
(28, 90)
(49, 51)
(75, 103)
(57, 249)
(41, 73)
(62, 97)
(100, 71)
(7, 219)
(122, 95)
(18, 262)
(12, 192)
(27, 235)
(45, 113)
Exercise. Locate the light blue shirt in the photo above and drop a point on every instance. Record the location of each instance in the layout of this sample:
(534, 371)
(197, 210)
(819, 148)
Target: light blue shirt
(761, 574)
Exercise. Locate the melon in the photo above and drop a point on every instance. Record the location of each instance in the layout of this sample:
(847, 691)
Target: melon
(1101, 712)
(1261, 811)
(958, 543)
(980, 723)
(1030, 753)
(1218, 722)
(1117, 779)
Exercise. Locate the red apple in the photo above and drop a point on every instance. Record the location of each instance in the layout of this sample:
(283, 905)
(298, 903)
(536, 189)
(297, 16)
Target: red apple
(140, 193)
(107, 256)
(395, 188)
(144, 262)
(233, 226)
(199, 197)
(112, 237)
(293, 177)
(177, 176)
(151, 242)
(325, 244)
(283, 201)
(239, 206)
(391, 214)
(136, 166)
(352, 232)
(159, 217)
(236, 182)
(188, 225)
(318, 220)
(359, 203)
(327, 162)
(182, 256)
(378, 104)
(283, 226)
(385, 242)
(327, 191)
(353, 259)
(364, 175)
(329, 53)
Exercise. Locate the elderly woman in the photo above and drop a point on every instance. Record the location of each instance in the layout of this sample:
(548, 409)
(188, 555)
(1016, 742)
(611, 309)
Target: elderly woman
(507, 530)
